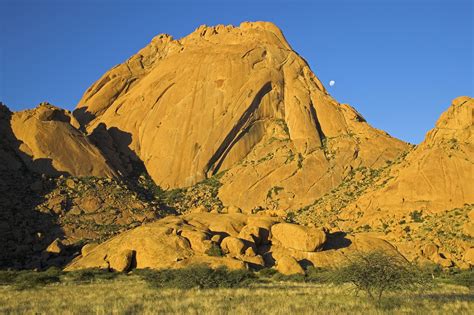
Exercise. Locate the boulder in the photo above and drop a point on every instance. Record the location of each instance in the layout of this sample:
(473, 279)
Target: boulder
(199, 240)
(90, 204)
(56, 247)
(470, 215)
(181, 241)
(232, 246)
(298, 237)
(287, 265)
(121, 261)
(256, 262)
(217, 238)
(228, 224)
(442, 261)
(199, 209)
(429, 250)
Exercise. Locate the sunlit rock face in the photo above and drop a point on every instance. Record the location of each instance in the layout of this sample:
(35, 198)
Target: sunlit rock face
(234, 99)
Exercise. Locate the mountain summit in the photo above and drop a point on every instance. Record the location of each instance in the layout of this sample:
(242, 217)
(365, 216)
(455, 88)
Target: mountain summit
(233, 99)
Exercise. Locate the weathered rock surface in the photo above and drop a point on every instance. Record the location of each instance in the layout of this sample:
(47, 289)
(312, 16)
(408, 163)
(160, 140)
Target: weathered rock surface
(236, 99)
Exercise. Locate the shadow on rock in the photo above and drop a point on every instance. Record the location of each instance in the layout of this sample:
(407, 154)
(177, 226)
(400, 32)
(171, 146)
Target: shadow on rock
(337, 240)
(25, 231)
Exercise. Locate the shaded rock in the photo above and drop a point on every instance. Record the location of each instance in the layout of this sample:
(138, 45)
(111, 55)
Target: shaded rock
(254, 234)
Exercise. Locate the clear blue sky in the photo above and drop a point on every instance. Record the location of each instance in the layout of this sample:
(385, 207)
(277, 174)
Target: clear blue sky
(400, 63)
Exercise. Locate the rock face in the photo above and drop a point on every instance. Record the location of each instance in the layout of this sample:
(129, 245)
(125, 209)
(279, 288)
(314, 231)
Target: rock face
(422, 203)
(51, 144)
(237, 99)
(172, 242)
(435, 176)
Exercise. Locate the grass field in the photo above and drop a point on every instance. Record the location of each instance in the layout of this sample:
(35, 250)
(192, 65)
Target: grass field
(131, 294)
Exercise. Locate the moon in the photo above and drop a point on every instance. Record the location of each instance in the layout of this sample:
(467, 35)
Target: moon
(332, 82)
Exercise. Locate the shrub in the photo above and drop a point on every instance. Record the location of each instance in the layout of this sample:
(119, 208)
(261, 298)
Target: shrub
(200, 276)
(376, 272)
(416, 216)
(215, 250)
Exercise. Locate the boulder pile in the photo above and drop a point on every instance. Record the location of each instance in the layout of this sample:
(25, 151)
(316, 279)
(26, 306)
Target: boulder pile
(234, 240)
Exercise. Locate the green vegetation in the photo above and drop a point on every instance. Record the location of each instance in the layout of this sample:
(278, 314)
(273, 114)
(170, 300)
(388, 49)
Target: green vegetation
(416, 216)
(201, 290)
(215, 250)
(274, 191)
(376, 273)
(200, 277)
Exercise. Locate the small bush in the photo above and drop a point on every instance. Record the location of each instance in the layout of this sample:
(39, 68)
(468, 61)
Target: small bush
(215, 250)
(416, 216)
(201, 277)
(376, 272)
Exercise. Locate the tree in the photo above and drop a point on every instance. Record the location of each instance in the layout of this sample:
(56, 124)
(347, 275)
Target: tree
(377, 272)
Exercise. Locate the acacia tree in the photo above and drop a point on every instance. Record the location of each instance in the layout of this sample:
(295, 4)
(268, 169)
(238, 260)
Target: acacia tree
(377, 272)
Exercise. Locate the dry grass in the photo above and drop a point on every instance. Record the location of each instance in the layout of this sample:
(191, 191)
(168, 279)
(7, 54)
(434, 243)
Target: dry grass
(130, 295)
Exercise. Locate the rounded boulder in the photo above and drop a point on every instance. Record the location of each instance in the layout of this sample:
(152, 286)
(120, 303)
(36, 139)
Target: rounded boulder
(298, 237)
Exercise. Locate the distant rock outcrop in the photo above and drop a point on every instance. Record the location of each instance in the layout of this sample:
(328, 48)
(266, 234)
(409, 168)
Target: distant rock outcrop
(436, 176)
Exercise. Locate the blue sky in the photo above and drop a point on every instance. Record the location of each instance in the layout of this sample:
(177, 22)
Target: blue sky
(399, 63)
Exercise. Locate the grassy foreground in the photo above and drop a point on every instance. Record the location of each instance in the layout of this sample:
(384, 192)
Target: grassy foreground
(130, 294)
